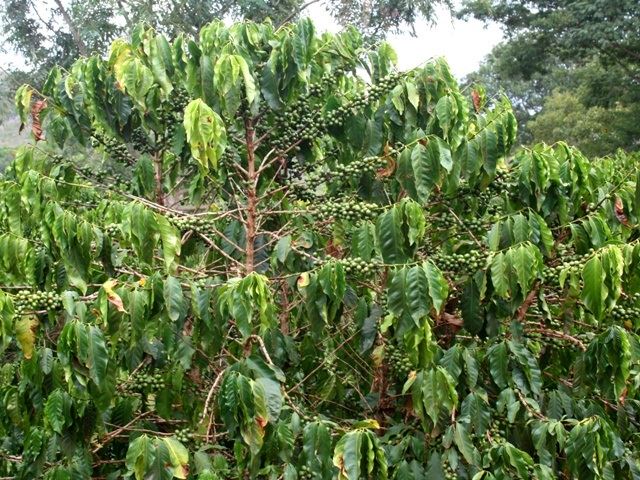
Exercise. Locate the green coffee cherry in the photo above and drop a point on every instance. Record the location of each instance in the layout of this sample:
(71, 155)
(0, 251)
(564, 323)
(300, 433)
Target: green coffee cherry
(117, 150)
(398, 362)
(347, 210)
(358, 266)
(27, 301)
(460, 263)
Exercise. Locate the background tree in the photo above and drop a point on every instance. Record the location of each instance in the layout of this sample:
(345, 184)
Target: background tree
(300, 263)
(585, 48)
(595, 130)
(47, 36)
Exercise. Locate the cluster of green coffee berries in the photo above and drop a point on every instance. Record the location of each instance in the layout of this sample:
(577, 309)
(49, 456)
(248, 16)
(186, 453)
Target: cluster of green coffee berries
(443, 220)
(328, 364)
(299, 122)
(28, 301)
(498, 430)
(384, 85)
(304, 122)
(140, 141)
(196, 223)
(449, 472)
(145, 382)
(116, 149)
(184, 435)
(460, 263)
(493, 211)
(627, 311)
(473, 226)
(347, 210)
(363, 165)
(357, 266)
(502, 182)
(327, 80)
(303, 184)
(305, 473)
(112, 230)
(371, 94)
(398, 362)
(171, 115)
(105, 175)
(571, 263)
(630, 450)
(179, 100)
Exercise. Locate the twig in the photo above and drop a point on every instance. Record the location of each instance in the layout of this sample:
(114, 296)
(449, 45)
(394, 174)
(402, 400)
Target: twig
(522, 310)
(110, 436)
(208, 402)
(263, 349)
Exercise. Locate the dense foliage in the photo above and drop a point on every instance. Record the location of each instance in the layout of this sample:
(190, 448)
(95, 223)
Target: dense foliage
(299, 263)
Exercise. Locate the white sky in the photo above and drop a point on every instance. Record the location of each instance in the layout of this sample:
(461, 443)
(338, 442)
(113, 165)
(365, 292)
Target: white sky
(463, 43)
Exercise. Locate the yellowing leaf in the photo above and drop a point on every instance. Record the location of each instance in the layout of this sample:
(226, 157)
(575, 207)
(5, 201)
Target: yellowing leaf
(368, 423)
(206, 134)
(303, 280)
(26, 334)
(179, 457)
(113, 297)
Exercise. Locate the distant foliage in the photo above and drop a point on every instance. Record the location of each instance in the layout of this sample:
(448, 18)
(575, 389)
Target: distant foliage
(595, 130)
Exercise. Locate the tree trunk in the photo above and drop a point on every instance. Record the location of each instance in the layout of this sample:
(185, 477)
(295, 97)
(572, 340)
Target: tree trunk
(82, 48)
(251, 195)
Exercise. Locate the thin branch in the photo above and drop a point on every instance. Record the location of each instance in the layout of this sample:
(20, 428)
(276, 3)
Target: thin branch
(297, 12)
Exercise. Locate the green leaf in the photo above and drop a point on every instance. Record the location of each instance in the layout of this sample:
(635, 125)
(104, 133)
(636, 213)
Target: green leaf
(471, 307)
(445, 112)
(170, 243)
(434, 391)
(475, 408)
(23, 103)
(444, 154)
(500, 275)
(418, 301)
(499, 364)
(97, 356)
(412, 94)
(463, 441)
(140, 455)
(438, 286)
(358, 454)
(316, 447)
(348, 456)
(389, 233)
(426, 167)
(636, 197)
(594, 290)
(54, 410)
(174, 298)
(46, 360)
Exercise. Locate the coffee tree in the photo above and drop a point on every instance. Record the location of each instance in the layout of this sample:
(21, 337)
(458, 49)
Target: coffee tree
(295, 261)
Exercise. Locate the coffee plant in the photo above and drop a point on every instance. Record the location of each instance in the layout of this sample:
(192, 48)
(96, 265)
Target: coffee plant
(296, 262)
